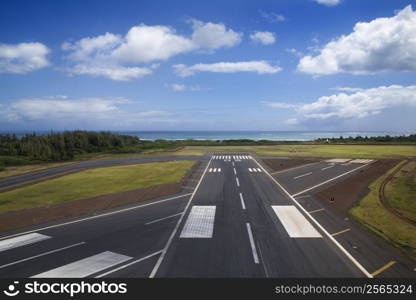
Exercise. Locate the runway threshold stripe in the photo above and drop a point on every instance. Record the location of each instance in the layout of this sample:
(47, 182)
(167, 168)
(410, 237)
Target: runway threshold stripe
(85, 267)
(296, 225)
(200, 222)
(252, 244)
(22, 240)
(303, 175)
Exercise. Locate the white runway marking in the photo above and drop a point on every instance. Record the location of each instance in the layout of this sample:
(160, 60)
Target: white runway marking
(129, 264)
(40, 255)
(200, 222)
(210, 170)
(361, 161)
(238, 181)
(252, 244)
(296, 225)
(235, 172)
(303, 175)
(250, 169)
(233, 164)
(85, 267)
(327, 168)
(338, 160)
(22, 241)
(161, 219)
(259, 170)
(215, 170)
(243, 205)
(219, 169)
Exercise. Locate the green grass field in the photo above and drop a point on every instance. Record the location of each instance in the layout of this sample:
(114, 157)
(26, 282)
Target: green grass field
(339, 151)
(371, 213)
(401, 191)
(94, 182)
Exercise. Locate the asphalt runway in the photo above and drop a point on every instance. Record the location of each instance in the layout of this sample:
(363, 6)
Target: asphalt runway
(239, 221)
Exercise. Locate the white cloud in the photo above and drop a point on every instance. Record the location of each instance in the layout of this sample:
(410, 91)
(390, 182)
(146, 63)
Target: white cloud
(294, 51)
(213, 35)
(263, 37)
(280, 105)
(116, 57)
(260, 67)
(272, 17)
(176, 87)
(347, 89)
(384, 44)
(98, 112)
(23, 58)
(356, 105)
(328, 2)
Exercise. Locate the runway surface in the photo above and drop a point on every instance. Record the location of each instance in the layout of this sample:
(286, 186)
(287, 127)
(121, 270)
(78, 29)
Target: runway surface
(239, 221)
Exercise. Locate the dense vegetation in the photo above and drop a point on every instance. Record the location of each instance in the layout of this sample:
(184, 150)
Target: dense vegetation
(402, 139)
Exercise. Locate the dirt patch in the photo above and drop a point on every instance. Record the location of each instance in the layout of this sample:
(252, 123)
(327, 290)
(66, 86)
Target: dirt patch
(37, 215)
(278, 164)
(346, 193)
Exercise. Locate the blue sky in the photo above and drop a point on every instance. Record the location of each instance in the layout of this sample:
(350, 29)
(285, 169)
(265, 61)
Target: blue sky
(208, 65)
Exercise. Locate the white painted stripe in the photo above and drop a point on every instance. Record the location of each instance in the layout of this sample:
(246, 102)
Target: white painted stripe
(338, 160)
(219, 169)
(235, 172)
(250, 169)
(98, 216)
(254, 170)
(40, 255)
(22, 241)
(129, 264)
(85, 267)
(243, 205)
(215, 170)
(329, 180)
(296, 225)
(200, 222)
(252, 244)
(233, 164)
(259, 170)
(161, 219)
(172, 235)
(303, 175)
(238, 182)
(210, 170)
(327, 168)
(328, 235)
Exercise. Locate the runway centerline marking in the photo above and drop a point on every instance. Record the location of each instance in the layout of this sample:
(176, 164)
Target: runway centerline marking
(97, 216)
(303, 175)
(341, 232)
(383, 268)
(22, 240)
(243, 205)
(129, 264)
(85, 267)
(252, 244)
(340, 247)
(327, 181)
(238, 182)
(40, 255)
(316, 210)
(165, 218)
(169, 242)
(235, 172)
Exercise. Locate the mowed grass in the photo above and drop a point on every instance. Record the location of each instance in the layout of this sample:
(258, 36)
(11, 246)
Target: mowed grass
(338, 151)
(371, 213)
(19, 170)
(401, 191)
(94, 182)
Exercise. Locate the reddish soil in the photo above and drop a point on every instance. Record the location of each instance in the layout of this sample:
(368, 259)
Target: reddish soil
(346, 193)
(37, 215)
(278, 164)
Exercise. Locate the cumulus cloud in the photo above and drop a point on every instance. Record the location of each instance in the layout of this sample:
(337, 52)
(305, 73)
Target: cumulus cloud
(23, 58)
(213, 36)
(72, 113)
(384, 44)
(260, 67)
(263, 37)
(328, 2)
(358, 104)
(122, 57)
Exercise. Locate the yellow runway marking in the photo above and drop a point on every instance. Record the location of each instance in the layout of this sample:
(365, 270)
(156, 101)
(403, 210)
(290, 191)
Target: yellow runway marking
(340, 232)
(383, 268)
(316, 210)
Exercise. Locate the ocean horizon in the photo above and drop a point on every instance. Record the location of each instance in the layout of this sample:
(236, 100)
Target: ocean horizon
(235, 135)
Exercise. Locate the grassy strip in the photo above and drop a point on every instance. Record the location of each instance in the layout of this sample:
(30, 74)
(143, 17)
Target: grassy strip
(401, 191)
(94, 182)
(19, 170)
(339, 151)
(373, 215)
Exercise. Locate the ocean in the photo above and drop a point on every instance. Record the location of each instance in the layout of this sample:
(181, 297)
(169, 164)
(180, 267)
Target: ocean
(233, 135)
